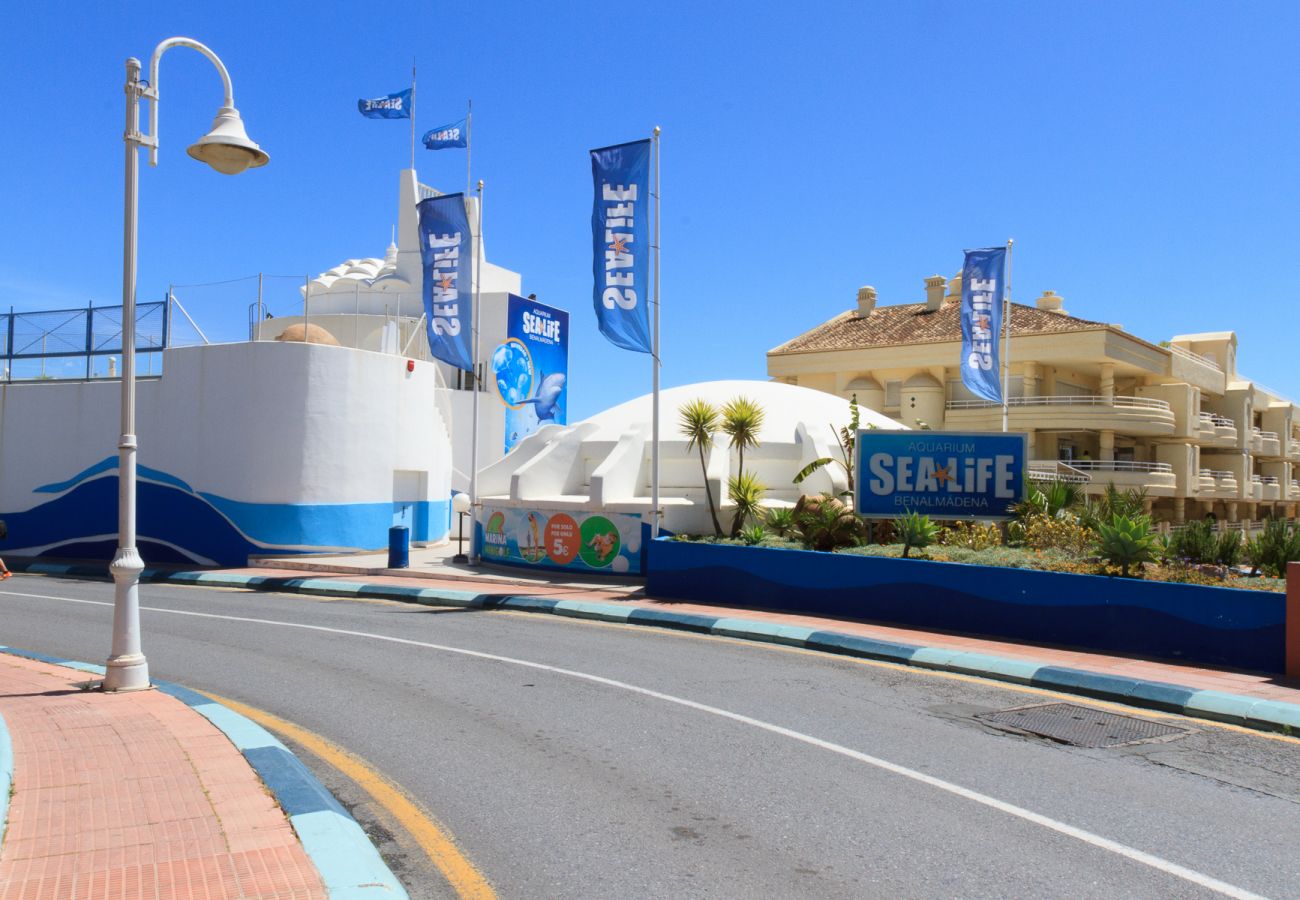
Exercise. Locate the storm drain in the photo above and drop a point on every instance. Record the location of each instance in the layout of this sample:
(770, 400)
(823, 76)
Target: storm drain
(1080, 725)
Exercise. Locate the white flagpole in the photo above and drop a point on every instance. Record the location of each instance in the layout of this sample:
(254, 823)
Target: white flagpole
(655, 364)
(412, 113)
(1006, 338)
(469, 140)
(473, 441)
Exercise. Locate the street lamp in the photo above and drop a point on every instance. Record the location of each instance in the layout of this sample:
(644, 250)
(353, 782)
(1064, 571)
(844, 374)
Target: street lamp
(461, 505)
(227, 149)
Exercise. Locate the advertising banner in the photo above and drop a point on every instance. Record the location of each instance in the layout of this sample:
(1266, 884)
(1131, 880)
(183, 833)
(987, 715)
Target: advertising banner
(444, 136)
(560, 539)
(391, 106)
(446, 251)
(531, 369)
(621, 234)
(983, 287)
(944, 475)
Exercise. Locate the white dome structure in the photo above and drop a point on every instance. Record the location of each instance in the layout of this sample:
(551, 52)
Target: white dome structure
(603, 463)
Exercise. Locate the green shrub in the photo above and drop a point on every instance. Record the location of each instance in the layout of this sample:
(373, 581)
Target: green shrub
(1126, 541)
(1195, 543)
(914, 530)
(1050, 533)
(754, 534)
(972, 535)
(1274, 547)
(779, 520)
(746, 491)
(1227, 551)
(824, 523)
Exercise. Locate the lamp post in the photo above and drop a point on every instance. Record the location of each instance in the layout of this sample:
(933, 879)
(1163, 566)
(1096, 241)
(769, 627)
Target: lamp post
(461, 505)
(227, 149)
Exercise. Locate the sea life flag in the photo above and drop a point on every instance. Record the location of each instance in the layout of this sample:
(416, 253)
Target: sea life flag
(394, 106)
(983, 287)
(446, 248)
(620, 230)
(446, 136)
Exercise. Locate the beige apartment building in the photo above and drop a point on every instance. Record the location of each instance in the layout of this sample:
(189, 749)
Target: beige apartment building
(1100, 405)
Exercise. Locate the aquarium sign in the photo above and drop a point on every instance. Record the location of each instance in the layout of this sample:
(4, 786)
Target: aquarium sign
(574, 540)
(943, 475)
(530, 370)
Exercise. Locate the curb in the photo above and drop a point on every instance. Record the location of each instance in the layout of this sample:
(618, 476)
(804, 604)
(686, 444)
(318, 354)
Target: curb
(348, 863)
(6, 776)
(1234, 709)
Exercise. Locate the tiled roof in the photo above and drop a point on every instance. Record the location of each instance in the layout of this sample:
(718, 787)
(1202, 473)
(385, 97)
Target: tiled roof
(912, 323)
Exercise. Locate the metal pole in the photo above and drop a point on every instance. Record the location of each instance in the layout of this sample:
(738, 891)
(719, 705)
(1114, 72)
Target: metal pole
(412, 113)
(473, 444)
(469, 141)
(127, 669)
(90, 338)
(655, 365)
(1006, 338)
(261, 311)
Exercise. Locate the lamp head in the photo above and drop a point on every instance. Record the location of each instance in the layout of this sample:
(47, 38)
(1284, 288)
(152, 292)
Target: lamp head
(226, 146)
(460, 503)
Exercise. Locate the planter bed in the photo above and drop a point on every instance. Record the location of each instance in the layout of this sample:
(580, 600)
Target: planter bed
(1238, 629)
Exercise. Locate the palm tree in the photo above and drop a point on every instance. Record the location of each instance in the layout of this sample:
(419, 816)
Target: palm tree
(747, 493)
(742, 418)
(698, 421)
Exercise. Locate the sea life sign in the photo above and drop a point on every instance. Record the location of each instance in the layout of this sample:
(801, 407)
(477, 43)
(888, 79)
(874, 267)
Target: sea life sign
(560, 539)
(941, 474)
(530, 370)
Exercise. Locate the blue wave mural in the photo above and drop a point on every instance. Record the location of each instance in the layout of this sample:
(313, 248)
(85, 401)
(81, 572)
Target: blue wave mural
(177, 524)
(1235, 628)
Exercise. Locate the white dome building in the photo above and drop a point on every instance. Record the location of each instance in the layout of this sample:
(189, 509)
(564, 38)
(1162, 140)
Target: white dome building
(604, 463)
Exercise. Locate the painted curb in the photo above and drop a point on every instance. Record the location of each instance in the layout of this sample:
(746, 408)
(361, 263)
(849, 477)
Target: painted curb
(6, 776)
(349, 865)
(1249, 712)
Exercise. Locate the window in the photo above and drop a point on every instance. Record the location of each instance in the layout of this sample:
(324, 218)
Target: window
(893, 393)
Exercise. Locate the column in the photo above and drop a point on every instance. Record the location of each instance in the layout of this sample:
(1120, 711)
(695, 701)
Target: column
(1107, 444)
(1108, 381)
(1180, 510)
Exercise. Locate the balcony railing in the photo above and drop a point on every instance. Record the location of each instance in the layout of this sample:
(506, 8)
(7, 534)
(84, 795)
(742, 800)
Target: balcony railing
(1268, 479)
(1217, 421)
(1194, 357)
(1120, 465)
(1119, 402)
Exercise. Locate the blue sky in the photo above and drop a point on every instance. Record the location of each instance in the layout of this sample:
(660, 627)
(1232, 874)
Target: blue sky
(1141, 155)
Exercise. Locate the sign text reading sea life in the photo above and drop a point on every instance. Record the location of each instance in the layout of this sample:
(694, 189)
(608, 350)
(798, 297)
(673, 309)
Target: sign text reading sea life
(445, 272)
(383, 103)
(982, 337)
(620, 286)
(925, 477)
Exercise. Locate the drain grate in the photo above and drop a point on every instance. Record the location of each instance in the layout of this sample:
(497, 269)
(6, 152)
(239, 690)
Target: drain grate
(1081, 726)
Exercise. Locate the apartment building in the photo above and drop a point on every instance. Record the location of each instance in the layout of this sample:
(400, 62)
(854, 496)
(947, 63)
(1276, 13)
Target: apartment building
(1101, 406)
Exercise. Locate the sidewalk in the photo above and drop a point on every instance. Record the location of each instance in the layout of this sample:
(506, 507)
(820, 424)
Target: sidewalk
(141, 795)
(1252, 699)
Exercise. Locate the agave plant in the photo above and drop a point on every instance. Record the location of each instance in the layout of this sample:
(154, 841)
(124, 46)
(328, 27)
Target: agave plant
(779, 521)
(914, 530)
(824, 523)
(746, 492)
(698, 421)
(1126, 541)
(742, 418)
(752, 535)
(847, 436)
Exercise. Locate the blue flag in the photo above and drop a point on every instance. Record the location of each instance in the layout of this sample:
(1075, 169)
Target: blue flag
(446, 136)
(446, 249)
(620, 229)
(983, 287)
(394, 106)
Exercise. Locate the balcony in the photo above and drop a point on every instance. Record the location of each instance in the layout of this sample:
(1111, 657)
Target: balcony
(1156, 478)
(1217, 483)
(1293, 490)
(1265, 443)
(1216, 431)
(1138, 416)
(1255, 489)
(1270, 487)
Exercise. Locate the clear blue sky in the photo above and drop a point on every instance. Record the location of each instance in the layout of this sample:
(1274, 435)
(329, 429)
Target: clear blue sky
(1143, 156)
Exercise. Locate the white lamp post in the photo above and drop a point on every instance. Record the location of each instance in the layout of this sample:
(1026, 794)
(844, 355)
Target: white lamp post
(228, 150)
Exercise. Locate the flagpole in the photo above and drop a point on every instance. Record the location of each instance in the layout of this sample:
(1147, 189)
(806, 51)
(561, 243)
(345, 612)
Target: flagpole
(655, 365)
(473, 443)
(1006, 338)
(469, 140)
(412, 113)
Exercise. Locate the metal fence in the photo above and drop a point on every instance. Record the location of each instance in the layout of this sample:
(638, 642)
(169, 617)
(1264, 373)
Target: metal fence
(80, 343)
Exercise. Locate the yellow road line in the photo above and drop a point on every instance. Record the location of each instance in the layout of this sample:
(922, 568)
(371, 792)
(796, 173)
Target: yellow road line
(921, 671)
(468, 882)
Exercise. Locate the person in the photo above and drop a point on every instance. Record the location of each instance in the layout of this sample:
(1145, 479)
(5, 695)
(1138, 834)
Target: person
(4, 533)
(1085, 456)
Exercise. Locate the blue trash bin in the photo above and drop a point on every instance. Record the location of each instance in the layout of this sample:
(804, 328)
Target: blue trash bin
(399, 548)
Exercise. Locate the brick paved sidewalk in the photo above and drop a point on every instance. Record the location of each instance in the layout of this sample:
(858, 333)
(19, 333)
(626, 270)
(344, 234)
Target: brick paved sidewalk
(134, 795)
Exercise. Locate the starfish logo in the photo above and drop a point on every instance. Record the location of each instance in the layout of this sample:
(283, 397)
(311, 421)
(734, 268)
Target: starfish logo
(982, 322)
(943, 476)
(618, 245)
(445, 284)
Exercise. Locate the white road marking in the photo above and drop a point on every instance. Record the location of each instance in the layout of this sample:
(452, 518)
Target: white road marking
(1096, 840)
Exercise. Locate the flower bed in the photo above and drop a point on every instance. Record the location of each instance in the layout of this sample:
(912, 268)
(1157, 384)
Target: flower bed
(1239, 629)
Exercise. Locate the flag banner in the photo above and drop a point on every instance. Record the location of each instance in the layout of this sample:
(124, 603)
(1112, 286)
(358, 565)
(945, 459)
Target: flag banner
(394, 106)
(531, 368)
(983, 287)
(620, 228)
(445, 137)
(446, 250)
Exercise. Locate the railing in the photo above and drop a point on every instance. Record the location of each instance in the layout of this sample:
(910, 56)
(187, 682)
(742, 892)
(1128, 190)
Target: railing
(63, 344)
(1194, 357)
(426, 192)
(1268, 479)
(1218, 421)
(1056, 470)
(1268, 435)
(1218, 474)
(1121, 465)
(1120, 402)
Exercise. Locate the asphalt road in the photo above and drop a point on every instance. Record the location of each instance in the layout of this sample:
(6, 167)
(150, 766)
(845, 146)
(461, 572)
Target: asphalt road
(574, 759)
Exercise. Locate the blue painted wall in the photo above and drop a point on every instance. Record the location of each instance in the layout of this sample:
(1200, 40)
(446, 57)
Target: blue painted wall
(1237, 629)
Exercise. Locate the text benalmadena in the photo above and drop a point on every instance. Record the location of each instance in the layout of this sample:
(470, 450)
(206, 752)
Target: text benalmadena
(983, 286)
(445, 251)
(393, 106)
(620, 233)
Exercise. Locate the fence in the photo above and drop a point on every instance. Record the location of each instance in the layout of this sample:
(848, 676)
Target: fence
(80, 343)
